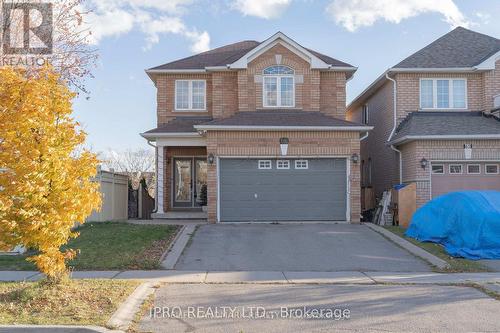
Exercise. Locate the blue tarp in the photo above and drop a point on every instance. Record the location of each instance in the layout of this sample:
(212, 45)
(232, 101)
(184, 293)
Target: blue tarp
(466, 223)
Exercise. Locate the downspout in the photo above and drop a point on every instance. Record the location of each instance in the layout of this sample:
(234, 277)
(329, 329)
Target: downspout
(394, 107)
(155, 210)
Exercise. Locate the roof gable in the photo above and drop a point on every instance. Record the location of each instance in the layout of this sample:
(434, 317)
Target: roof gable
(460, 48)
(237, 55)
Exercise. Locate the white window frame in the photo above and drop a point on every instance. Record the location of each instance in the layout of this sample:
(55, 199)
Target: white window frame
(278, 78)
(265, 164)
(437, 165)
(298, 167)
(491, 173)
(450, 93)
(282, 164)
(474, 173)
(190, 96)
(365, 114)
(456, 173)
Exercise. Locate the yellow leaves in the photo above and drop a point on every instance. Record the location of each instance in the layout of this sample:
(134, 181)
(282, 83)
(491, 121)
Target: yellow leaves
(47, 188)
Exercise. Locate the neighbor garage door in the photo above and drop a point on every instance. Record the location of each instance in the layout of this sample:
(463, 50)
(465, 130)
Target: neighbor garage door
(294, 190)
(449, 177)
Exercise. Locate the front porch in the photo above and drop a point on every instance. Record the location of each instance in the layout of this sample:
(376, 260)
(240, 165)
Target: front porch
(182, 183)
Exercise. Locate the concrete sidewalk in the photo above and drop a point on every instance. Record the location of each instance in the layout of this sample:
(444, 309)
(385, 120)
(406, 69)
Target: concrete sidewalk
(274, 277)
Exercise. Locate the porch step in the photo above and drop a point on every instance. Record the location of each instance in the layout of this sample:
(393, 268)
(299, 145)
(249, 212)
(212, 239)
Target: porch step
(202, 216)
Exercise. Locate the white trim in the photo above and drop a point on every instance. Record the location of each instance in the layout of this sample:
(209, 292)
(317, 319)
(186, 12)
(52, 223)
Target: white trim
(286, 165)
(464, 161)
(278, 78)
(489, 63)
(264, 164)
(217, 166)
(348, 190)
(287, 42)
(190, 96)
(473, 173)
(450, 93)
(437, 173)
(282, 128)
(302, 168)
(455, 165)
(491, 173)
(160, 189)
(447, 137)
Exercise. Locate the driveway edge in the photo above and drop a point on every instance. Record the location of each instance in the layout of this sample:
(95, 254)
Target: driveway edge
(173, 254)
(122, 318)
(413, 249)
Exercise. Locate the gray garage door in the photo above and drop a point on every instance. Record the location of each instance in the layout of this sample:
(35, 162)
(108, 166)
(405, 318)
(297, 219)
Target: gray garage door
(309, 190)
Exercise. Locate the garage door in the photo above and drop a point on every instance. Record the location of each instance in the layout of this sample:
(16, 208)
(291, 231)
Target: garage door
(449, 177)
(283, 190)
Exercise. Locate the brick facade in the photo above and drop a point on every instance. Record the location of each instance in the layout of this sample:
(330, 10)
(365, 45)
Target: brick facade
(307, 144)
(230, 91)
(481, 88)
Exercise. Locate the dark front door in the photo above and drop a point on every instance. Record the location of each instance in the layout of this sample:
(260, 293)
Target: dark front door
(190, 174)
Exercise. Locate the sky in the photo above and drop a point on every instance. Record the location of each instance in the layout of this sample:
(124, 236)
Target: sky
(133, 35)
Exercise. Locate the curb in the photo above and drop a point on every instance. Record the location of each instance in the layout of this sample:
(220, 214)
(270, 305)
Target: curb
(174, 252)
(181, 230)
(413, 249)
(55, 329)
(123, 317)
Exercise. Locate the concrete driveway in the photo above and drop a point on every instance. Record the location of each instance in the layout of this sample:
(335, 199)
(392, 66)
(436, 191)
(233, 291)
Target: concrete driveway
(372, 308)
(295, 247)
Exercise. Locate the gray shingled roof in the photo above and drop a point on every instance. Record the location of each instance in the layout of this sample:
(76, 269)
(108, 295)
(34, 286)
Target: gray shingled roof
(426, 123)
(180, 125)
(279, 118)
(228, 54)
(458, 48)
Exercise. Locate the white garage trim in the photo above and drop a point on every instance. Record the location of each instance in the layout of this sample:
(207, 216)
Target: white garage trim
(348, 176)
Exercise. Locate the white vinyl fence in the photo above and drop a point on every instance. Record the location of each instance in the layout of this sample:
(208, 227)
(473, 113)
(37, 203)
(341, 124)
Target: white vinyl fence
(114, 189)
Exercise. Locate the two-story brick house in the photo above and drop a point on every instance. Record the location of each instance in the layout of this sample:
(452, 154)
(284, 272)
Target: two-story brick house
(435, 118)
(263, 126)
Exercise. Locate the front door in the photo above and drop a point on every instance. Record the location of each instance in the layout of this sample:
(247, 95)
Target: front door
(190, 174)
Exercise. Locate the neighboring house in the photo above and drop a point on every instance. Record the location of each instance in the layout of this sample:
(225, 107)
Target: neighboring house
(262, 124)
(436, 118)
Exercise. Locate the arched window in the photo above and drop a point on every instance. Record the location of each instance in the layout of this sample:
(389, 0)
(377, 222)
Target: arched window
(278, 70)
(278, 86)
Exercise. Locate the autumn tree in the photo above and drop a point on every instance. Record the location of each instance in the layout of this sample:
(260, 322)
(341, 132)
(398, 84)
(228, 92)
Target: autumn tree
(44, 187)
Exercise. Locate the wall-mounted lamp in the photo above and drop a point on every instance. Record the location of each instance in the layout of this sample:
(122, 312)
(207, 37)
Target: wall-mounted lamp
(424, 163)
(355, 158)
(284, 146)
(211, 158)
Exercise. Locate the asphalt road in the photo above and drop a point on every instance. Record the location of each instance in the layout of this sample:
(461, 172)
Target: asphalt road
(295, 247)
(345, 308)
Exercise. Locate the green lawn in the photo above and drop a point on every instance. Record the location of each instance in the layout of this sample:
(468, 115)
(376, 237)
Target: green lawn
(111, 246)
(456, 264)
(75, 302)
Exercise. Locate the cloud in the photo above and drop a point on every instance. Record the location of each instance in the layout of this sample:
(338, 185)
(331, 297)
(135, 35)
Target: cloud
(266, 9)
(354, 14)
(154, 18)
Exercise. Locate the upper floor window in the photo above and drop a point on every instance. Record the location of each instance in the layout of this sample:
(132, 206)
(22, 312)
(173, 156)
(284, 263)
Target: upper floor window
(443, 94)
(364, 115)
(278, 87)
(190, 95)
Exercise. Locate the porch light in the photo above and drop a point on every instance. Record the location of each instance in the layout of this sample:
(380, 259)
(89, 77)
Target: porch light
(355, 158)
(424, 163)
(284, 146)
(211, 158)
